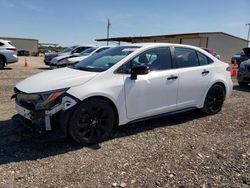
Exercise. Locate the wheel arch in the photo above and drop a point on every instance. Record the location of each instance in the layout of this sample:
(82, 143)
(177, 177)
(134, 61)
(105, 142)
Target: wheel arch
(219, 82)
(65, 116)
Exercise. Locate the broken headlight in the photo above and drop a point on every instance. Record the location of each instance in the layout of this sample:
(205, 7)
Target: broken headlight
(42, 101)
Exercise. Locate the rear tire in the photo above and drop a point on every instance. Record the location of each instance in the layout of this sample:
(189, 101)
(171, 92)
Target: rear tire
(243, 83)
(92, 122)
(214, 100)
(2, 63)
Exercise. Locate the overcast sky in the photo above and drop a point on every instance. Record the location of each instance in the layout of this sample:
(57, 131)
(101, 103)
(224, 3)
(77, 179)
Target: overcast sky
(68, 22)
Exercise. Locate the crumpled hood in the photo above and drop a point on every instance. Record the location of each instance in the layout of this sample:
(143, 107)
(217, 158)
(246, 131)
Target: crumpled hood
(61, 57)
(54, 80)
(77, 59)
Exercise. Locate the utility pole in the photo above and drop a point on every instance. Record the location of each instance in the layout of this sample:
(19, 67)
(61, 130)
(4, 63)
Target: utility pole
(108, 28)
(248, 35)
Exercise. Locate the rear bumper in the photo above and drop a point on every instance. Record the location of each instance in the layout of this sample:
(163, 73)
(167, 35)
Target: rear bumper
(12, 59)
(229, 88)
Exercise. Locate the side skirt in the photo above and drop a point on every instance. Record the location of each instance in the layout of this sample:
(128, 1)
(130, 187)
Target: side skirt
(161, 115)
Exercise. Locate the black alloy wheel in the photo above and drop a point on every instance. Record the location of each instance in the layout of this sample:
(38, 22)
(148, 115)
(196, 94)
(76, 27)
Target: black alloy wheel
(214, 99)
(92, 121)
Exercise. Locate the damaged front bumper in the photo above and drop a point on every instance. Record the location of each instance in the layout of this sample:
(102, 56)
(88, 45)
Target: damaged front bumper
(66, 102)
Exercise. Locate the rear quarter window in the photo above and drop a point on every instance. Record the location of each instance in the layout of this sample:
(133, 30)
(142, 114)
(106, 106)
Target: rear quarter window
(203, 59)
(186, 57)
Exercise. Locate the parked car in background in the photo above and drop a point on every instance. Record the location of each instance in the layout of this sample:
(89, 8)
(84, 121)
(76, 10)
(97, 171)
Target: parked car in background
(23, 53)
(211, 51)
(56, 62)
(244, 73)
(73, 50)
(241, 56)
(75, 59)
(58, 59)
(8, 53)
(124, 84)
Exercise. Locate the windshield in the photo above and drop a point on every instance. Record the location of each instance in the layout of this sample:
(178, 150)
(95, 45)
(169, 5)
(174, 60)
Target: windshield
(69, 49)
(87, 52)
(104, 60)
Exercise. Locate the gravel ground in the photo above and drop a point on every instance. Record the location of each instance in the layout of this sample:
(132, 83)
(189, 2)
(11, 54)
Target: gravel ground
(184, 150)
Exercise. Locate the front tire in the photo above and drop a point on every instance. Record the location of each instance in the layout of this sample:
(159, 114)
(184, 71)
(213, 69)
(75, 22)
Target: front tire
(214, 100)
(92, 121)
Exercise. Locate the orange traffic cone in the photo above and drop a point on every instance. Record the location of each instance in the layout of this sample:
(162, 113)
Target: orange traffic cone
(235, 69)
(25, 62)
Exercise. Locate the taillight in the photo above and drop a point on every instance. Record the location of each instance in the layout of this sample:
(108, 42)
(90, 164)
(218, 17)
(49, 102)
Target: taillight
(229, 69)
(12, 49)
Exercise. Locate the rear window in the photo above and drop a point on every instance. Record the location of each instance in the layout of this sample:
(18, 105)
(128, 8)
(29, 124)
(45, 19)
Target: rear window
(247, 51)
(240, 53)
(1, 44)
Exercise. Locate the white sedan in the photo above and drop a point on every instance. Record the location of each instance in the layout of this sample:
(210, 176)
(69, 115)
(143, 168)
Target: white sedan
(125, 84)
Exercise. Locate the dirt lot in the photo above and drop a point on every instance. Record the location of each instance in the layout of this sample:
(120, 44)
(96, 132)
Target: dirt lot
(185, 150)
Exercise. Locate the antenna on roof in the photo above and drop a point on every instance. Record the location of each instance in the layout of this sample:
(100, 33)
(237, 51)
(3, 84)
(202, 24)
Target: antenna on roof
(108, 28)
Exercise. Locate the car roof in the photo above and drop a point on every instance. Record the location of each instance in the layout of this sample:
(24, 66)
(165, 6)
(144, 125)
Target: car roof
(105, 47)
(208, 49)
(4, 41)
(87, 45)
(161, 44)
(84, 45)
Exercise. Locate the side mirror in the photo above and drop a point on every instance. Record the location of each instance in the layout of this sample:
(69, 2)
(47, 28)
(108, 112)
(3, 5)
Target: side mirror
(139, 70)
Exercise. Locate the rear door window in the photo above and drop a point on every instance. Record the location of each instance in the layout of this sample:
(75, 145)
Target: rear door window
(186, 57)
(203, 60)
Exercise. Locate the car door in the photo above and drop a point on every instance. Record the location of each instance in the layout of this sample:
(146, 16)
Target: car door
(155, 92)
(194, 76)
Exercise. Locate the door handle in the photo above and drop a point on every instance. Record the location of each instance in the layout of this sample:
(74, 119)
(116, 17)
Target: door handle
(172, 77)
(205, 72)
